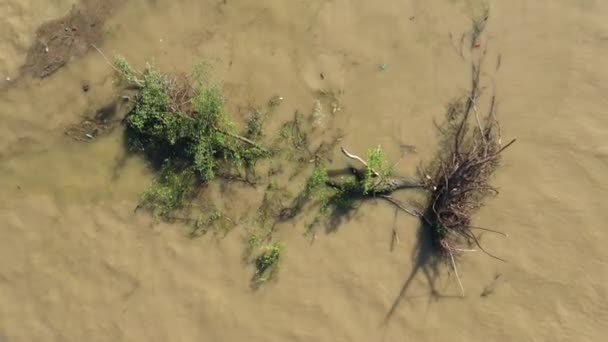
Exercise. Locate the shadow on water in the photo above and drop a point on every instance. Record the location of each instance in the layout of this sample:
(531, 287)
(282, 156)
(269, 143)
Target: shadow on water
(344, 205)
(339, 216)
(425, 261)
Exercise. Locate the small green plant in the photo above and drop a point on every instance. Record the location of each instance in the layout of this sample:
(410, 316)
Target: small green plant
(255, 239)
(293, 138)
(377, 171)
(318, 178)
(213, 220)
(267, 263)
(125, 74)
(314, 189)
(254, 126)
(171, 191)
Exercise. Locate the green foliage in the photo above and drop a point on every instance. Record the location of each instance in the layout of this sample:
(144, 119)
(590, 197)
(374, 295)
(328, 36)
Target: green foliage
(267, 263)
(293, 136)
(195, 138)
(171, 191)
(213, 220)
(200, 136)
(318, 178)
(208, 104)
(314, 189)
(152, 119)
(255, 123)
(254, 241)
(204, 160)
(377, 171)
(126, 74)
(254, 126)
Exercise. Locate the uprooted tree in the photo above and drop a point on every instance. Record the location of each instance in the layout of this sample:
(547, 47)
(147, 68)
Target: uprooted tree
(456, 181)
(179, 124)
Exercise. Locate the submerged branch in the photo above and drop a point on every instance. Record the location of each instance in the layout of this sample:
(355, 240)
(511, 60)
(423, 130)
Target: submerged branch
(241, 138)
(412, 211)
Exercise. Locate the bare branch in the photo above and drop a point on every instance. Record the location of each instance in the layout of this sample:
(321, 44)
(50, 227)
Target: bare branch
(456, 273)
(481, 131)
(359, 159)
(112, 65)
(241, 138)
(490, 230)
(410, 211)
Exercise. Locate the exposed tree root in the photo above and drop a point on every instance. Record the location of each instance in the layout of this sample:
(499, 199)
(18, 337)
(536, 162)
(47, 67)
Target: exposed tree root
(457, 181)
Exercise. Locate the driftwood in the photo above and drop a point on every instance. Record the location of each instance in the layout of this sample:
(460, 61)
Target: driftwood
(242, 139)
(460, 177)
(458, 180)
(382, 188)
(385, 187)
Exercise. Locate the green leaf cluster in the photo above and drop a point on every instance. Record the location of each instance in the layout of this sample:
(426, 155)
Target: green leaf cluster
(191, 135)
(171, 191)
(267, 263)
(377, 171)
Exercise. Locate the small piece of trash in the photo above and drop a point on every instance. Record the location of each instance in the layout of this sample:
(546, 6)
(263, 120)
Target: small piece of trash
(383, 67)
(46, 49)
(89, 136)
(8, 78)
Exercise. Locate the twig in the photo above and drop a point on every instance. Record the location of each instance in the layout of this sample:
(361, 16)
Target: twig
(359, 159)
(396, 236)
(478, 121)
(241, 138)
(112, 65)
(464, 250)
(456, 272)
(458, 50)
(490, 230)
(493, 114)
(474, 238)
(505, 147)
(400, 206)
(498, 61)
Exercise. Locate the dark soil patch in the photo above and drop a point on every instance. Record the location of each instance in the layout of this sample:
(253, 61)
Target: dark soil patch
(103, 120)
(60, 40)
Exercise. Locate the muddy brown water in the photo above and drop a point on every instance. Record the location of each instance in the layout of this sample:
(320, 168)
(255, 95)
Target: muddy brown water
(76, 264)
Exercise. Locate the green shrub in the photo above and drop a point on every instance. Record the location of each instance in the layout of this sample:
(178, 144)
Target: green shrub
(377, 170)
(267, 263)
(171, 191)
(181, 124)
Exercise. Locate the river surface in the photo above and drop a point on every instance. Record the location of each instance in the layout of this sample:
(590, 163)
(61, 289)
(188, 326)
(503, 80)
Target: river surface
(77, 264)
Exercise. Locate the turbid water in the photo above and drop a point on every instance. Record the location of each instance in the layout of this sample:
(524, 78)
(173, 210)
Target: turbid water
(76, 264)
